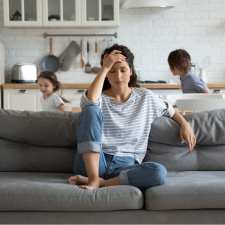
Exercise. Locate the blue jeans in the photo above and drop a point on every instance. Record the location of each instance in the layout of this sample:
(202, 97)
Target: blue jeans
(128, 170)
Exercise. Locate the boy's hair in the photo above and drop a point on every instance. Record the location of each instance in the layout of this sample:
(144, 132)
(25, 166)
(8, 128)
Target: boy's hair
(125, 51)
(53, 79)
(180, 59)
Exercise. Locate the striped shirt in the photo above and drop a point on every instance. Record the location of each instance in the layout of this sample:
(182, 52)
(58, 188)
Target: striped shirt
(126, 125)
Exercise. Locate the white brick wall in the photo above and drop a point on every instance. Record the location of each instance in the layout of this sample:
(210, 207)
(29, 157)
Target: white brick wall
(196, 25)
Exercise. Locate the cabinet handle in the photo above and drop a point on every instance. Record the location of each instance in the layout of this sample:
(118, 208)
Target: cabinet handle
(22, 91)
(80, 91)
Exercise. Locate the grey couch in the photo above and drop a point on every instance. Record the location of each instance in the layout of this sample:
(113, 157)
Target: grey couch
(36, 158)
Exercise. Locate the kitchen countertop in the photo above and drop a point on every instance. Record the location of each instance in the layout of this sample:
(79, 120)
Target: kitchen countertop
(165, 86)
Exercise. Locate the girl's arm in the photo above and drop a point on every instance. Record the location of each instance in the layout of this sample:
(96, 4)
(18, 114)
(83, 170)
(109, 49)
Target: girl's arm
(186, 132)
(95, 89)
(61, 107)
(205, 90)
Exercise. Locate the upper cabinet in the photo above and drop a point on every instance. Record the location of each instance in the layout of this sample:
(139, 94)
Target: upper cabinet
(100, 12)
(61, 13)
(22, 13)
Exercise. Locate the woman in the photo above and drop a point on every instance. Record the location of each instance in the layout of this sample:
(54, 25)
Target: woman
(114, 127)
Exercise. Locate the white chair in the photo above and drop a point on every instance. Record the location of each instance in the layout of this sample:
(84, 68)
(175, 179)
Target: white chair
(173, 98)
(199, 104)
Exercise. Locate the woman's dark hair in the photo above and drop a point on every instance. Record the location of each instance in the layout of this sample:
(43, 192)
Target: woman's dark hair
(53, 79)
(180, 59)
(130, 60)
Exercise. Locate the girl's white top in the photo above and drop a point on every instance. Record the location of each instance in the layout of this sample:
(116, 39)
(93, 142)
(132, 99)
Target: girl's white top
(51, 103)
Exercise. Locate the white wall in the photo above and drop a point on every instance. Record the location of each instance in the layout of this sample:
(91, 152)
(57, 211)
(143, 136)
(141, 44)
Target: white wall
(196, 25)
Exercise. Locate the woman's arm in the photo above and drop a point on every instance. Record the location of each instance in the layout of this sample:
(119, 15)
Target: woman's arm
(91, 159)
(95, 89)
(186, 132)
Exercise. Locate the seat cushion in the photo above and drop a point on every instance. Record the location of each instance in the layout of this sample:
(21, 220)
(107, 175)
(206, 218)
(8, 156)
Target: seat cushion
(51, 192)
(188, 190)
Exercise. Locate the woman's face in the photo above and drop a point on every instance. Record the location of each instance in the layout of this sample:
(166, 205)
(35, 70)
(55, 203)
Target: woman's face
(120, 74)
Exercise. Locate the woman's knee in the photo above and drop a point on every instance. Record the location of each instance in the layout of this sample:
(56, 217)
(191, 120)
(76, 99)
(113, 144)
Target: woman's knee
(156, 171)
(90, 124)
(91, 113)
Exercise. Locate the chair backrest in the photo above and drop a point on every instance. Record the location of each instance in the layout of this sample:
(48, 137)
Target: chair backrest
(199, 105)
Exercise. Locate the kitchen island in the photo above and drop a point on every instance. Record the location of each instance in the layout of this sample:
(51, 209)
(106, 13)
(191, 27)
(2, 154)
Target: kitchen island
(27, 96)
(157, 86)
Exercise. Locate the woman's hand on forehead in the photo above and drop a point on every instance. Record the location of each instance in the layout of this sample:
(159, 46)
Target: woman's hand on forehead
(115, 52)
(112, 58)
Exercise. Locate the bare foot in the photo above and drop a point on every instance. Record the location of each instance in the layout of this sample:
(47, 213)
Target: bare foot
(93, 184)
(78, 180)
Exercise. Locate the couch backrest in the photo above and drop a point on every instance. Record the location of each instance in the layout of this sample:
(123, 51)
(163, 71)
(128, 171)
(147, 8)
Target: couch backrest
(165, 144)
(37, 141)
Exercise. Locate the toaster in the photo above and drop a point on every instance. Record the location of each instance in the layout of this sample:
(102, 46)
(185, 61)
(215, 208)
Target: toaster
(24, 73)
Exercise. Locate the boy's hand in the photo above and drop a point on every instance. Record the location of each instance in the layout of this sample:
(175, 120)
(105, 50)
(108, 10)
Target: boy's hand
(187, 135)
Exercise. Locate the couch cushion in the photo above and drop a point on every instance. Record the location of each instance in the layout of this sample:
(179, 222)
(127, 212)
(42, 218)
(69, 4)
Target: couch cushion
(208, 127)
(51, 192)
(188, 190)
(22, 157)
(165, 145)
(178, 158)
(39, 128)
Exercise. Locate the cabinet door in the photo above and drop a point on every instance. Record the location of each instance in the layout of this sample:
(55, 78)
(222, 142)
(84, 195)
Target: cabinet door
(100, 12)
(21, 99)
(1, 99)
(23, 13)
(61, 12)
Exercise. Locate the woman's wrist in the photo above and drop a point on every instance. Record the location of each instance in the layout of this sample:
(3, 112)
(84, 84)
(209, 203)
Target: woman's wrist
(104, 70)
(185, 124)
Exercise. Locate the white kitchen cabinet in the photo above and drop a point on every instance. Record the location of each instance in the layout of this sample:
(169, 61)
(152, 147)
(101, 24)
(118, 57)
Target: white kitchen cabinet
(100, 12)
(29, 99)
(73, 96)
(2, 63)
(21, 99)
(0, 99)
(22, 13)
(61, 13)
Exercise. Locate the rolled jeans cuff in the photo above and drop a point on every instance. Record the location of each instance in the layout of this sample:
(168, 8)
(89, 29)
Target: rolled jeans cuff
(123, 177)
(89, 146)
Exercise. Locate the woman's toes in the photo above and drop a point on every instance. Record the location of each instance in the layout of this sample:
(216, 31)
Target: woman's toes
(86, 187)
(73, 180)
(78, 179)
